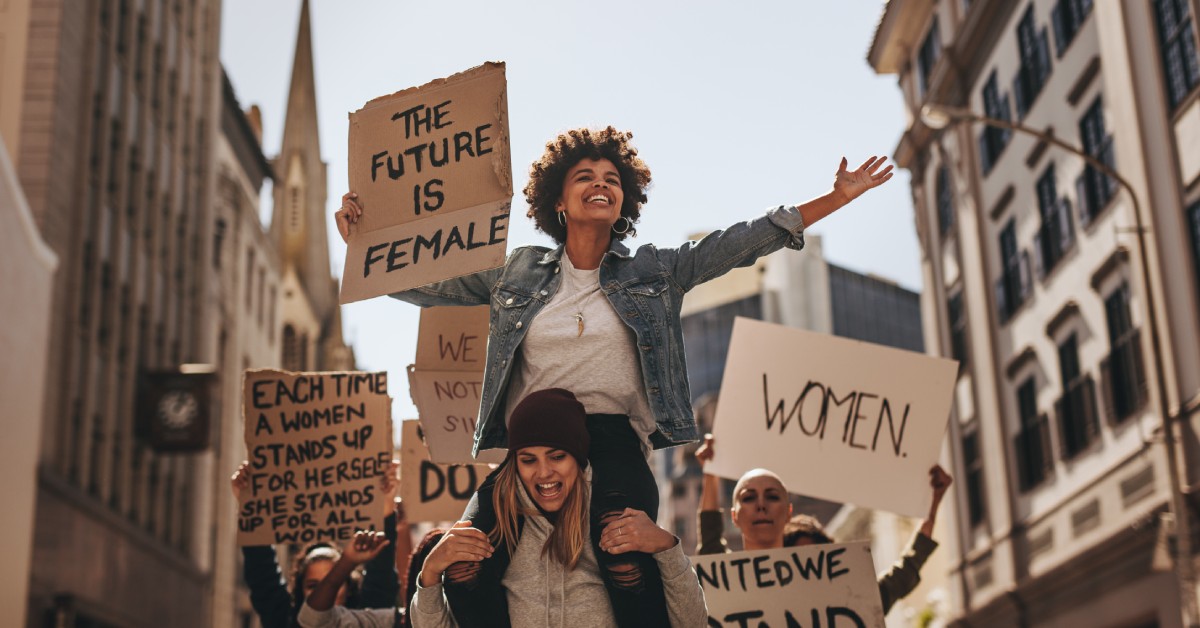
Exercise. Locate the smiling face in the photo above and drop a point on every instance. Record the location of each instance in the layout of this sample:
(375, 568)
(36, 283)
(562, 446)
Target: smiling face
(592, 193)
(761, 509)
(549, 475)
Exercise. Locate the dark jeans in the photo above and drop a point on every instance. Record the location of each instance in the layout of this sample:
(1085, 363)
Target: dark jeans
(620, 479)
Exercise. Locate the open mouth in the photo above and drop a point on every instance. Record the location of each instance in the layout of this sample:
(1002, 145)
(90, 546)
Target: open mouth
(549, 490)
(763, 522)
(599, 198)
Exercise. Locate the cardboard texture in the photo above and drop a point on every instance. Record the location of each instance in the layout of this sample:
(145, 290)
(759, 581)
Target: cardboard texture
(318, 444)
(813, 585)
(433, 492)
(837, 419)
(432, 169)
(446, 382)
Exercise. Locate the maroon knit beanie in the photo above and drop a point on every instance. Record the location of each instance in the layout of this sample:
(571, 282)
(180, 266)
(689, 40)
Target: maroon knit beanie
(550, 418)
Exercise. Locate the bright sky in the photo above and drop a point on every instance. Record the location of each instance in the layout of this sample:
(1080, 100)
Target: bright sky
(734, 110)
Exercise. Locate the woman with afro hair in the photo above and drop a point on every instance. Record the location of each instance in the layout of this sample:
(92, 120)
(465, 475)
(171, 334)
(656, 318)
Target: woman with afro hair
(602, 321)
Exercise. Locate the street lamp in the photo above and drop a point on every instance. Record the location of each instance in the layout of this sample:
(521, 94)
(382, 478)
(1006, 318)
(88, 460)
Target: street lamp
(938, 117)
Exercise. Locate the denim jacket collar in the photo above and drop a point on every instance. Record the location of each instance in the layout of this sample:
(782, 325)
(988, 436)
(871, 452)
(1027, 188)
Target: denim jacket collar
(614, 247)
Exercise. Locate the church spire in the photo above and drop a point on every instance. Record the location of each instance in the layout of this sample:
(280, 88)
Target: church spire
(298, 220)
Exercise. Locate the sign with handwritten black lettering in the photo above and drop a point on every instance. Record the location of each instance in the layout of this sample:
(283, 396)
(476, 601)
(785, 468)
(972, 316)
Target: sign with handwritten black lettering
(838, 419)
(433, 174)
(830, 585)
(318, 444)
(433, 492)
(446, 383)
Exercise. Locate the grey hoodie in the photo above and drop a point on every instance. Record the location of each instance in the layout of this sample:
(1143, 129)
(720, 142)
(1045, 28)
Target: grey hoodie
(542, 593)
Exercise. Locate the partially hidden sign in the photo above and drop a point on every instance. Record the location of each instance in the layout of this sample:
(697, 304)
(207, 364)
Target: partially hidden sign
(837, 419)
(447, 381)
(433, 492)
(813, 585)
(433, 173)
(318, 444)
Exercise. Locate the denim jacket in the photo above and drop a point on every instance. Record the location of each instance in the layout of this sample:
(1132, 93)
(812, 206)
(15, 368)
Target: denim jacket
(646, 290)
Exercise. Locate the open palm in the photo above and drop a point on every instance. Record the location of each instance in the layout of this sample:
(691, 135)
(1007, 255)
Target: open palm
(852, 183)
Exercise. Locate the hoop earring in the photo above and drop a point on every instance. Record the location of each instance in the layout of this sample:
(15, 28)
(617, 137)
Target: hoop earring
(561, 221)
(628, 226)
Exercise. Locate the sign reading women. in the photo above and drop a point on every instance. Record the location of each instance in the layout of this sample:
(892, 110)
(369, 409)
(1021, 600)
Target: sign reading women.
(447, 381)
(838, 419)
(827, 586)
(318, 444)
(433, 174)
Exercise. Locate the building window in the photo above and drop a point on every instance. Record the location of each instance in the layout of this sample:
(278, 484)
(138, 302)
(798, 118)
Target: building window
(1034, 50)
(1194, 222)
(1123, 371)
(958, 329)
(993, 139)
(1056, 235)
(1015, 283)
(1177, 40)
(1078, 423)
(218, 242)
(973, 470)
(927, 56)
(249, 278)
(291, 349)
(1033, 440)
(1067, 18)
(945, 200)
(1094, 188)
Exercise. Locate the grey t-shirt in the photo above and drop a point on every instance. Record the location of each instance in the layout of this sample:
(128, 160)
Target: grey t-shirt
(577, 342)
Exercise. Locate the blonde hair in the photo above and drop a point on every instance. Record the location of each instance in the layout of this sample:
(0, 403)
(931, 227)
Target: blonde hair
(566, 541)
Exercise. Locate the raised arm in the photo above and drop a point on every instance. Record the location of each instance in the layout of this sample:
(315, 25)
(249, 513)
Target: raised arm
(743, 243)
(905, 574)
(381, 581)
(710, 525)
(268, 592)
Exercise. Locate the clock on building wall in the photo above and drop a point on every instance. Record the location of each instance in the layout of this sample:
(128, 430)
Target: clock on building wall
(174, 409)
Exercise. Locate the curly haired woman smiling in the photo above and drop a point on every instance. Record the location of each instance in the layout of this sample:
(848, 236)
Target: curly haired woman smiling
(595, 318)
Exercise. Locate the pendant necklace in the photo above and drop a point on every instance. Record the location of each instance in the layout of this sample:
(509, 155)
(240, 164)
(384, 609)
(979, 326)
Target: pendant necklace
(578, 316)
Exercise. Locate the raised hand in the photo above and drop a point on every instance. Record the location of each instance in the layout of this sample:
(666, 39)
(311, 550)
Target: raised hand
(388, 483)
(365, 546)
(706, 451)
(347, 214)
(240, 481)
(850, 184)
(939, 481)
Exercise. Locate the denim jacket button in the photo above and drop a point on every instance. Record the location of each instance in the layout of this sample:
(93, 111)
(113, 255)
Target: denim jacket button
(519, 324)
(544, 293)
(509, 301)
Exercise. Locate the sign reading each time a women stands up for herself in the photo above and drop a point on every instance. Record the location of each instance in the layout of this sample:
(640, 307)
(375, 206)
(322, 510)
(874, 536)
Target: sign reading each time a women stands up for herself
(838, 419)
(432, 171)
(318, 444)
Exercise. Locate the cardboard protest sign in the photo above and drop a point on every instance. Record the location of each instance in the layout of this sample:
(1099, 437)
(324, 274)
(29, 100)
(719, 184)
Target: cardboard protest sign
(837, 419)
(432, 170)
(830, 585)
(433, 492)
(318, 444)
(446, 383)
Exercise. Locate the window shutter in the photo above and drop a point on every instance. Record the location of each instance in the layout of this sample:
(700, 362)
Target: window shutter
(1056, 20)
(1106, 385)
(1139, 371)
(1090, 416)
(985, 155)
(1019, 91)
(1001, 300)
(1026, 276)
(1039, 261)
(1043, 58)
(1081, 197)
(1066, 233)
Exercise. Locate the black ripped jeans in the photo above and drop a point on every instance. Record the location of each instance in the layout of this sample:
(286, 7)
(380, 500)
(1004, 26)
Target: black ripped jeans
(620, 479)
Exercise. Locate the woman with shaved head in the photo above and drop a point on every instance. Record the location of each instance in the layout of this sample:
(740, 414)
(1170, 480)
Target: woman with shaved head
(763, 513)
